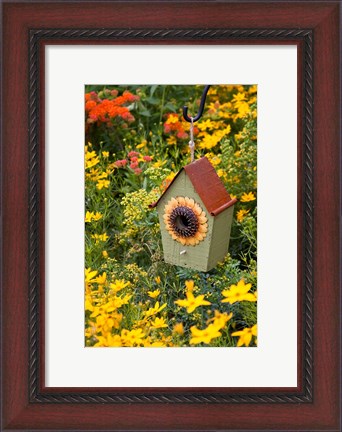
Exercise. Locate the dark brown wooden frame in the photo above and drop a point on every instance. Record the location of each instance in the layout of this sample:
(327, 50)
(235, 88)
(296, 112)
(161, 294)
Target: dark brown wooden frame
(27, 403)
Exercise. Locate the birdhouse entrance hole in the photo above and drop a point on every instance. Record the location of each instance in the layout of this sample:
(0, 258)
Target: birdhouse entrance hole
(182, 222)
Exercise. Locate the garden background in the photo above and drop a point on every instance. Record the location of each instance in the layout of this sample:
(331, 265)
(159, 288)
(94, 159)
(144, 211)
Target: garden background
(135, 143)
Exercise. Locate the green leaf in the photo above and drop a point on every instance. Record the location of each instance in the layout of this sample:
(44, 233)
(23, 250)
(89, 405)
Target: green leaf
(153, 89)
(170, 106)
(145, 113)
(152, 101)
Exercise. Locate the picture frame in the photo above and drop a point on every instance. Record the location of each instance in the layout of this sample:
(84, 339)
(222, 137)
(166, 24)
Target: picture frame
(27, 403)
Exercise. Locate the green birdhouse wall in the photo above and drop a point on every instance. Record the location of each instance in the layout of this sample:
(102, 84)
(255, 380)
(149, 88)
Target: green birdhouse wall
(195, 214)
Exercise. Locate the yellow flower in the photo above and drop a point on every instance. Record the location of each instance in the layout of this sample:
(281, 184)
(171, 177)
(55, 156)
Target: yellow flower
(89, 275)
(179, 329)
(105, 323)
(93, 174)
(142, 144)
(101, 279)
(100, 237)
(157, 344)
(172, 140)
(153, 294)
(99, 310)
(205, 336)
(88, 216)
(211, 140)
(214, 159)
(203, 125)
(118, 285)
(154, 310)
(108, 341)
(159, 163)
(105, 154)
(90, 155)
(191, 302)
(117, 317)
(238, 136)
(105, 254)
(243, 109)
(246, 335)
(246, 197)
(91, 159)
(167, 181)
(238, 292)
(117, 302)
(173, 118)
(97, 216)
(88, 305)
(238, 97)
(157, 279)
(91, 330)
(240, 215)
(92, 162)
(221, 173)
(133, 337)
(189, 284)
(159, 323)
(91, 216)
(102, 184)
(220, 319)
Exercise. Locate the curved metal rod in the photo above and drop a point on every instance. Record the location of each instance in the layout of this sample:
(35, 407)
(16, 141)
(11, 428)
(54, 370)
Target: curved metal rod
(199, 115)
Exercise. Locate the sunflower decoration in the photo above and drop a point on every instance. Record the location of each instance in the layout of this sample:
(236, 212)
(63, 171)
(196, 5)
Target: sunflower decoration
(185, 221)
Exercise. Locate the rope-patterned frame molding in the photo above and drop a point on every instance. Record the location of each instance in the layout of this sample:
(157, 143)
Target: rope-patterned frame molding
(39, 35)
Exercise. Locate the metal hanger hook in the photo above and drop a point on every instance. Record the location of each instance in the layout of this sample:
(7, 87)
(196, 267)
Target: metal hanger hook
(199, 115)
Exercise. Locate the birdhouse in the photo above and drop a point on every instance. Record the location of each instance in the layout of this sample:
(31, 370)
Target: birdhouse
(195, 214)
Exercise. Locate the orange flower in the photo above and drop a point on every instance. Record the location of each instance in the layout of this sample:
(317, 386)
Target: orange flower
(105, 110)
(174, 125)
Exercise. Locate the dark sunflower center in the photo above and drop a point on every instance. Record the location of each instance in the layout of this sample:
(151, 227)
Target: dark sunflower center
(183, 221)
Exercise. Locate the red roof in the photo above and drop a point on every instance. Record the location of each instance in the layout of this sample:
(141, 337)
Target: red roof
(208, 185)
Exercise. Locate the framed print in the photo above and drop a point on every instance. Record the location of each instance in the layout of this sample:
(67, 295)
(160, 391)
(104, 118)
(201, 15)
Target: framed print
(143, 289)
(174, 311)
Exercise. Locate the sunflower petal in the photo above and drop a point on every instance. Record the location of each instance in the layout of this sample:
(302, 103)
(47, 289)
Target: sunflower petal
(181, 201)
(189, 202)
(202, 219)
(192, 241)
(197, 210)
(203, 228)
(199, 236)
